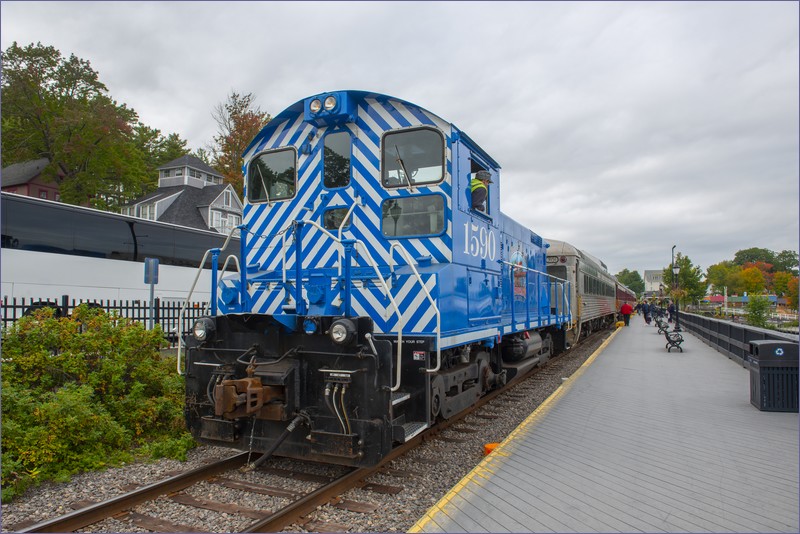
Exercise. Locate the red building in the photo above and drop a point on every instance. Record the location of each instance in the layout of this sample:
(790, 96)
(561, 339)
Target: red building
(25, 179)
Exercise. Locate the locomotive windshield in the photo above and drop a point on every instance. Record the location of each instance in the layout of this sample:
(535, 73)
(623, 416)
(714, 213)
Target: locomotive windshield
(272, 176)
(412, 157)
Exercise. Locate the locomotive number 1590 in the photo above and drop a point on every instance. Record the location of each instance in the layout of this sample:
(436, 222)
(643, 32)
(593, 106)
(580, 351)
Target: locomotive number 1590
(479, 241)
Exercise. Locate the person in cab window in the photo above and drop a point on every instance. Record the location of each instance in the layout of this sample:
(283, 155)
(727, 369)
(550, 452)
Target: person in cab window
(479, 187)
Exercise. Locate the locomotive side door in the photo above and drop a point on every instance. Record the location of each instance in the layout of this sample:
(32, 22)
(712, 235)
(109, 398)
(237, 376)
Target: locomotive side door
(477, 234)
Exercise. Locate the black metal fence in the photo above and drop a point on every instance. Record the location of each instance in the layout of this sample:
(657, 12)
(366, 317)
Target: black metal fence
(164, 313)
(731, 339)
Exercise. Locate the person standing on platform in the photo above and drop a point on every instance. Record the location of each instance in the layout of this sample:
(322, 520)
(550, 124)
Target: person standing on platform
(646, 312)
(626, 310)
(671, 310)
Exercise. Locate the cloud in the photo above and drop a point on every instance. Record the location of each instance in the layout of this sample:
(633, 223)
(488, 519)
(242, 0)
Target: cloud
(622, 127)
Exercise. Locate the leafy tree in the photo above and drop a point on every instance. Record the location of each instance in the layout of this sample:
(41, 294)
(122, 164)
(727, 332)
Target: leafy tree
(633, 280)
(57, 108)
(203, 155)
(157, 151)
(786, 261)
(766, 272)
(173, 148)
(752, 255)
(757, 310)
(752, 280)
(723, 274)
(691, 285)
(780, 283)
(791, 293)
(238, 123)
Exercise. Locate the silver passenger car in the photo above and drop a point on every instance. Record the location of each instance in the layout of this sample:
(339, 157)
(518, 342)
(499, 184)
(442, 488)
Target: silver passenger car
(593, 290)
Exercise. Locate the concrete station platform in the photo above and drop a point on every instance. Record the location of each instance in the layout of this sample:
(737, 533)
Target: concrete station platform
(638, 440)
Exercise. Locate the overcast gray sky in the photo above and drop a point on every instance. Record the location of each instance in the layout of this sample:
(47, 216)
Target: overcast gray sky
(623, 128)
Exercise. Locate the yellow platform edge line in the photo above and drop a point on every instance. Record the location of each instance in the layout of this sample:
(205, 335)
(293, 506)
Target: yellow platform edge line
(480, 470)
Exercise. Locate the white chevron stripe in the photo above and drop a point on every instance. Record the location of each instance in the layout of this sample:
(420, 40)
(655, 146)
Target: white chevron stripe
(410, 117)
(385, 114)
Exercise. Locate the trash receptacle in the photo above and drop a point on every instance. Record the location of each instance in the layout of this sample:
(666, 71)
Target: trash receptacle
(773, 375)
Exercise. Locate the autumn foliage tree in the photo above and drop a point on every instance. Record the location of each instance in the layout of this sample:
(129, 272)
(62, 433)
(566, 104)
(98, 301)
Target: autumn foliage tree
(754, 270)
(752, 280)
(792, 293)
(57, 108)
(238, 121)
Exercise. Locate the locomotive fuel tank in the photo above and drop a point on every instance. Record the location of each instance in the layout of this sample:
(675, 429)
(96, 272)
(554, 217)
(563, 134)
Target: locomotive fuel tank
(522, 347)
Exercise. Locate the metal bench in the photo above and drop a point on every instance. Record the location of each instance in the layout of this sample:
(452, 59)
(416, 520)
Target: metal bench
(674, 340)
(662, 325)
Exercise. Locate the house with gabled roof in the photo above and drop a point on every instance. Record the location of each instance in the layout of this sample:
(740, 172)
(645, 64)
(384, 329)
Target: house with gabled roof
(190, 193)
(26, 179)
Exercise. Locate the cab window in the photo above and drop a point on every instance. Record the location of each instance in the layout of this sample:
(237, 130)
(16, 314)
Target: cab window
(272, 176)
(337, 160)
(417, 215)
(412, 157)
(333, 218)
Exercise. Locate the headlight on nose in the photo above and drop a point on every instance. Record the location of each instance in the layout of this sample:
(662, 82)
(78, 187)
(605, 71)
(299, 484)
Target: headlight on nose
(203, 329)
(342, 331)
(330, 103)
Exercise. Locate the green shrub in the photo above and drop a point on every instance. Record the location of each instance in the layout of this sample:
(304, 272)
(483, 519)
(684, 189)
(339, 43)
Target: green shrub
(757, 310)
(83, 393)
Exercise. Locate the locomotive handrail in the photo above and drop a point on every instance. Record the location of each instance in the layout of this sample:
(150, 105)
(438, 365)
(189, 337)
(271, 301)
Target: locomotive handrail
(564, 297)
(194, 283)
(341, 229)
(337, 239)
(410, 261)
(548, 275)
(400, 318)
(314, 224)
(388, 293)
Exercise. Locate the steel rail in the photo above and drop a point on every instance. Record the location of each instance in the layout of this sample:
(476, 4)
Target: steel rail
(102, 510)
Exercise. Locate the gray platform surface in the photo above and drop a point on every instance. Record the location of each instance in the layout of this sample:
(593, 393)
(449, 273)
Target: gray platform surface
(638, 440)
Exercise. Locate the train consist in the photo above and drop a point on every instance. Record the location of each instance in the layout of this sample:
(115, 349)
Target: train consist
(594, 293)
(374, 299)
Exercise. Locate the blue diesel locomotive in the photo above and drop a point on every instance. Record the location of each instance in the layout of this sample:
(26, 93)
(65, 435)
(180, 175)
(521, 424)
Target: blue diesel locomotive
(373, 299)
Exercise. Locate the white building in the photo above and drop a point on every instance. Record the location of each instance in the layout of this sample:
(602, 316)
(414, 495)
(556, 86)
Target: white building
(190, 193)
(654, 284)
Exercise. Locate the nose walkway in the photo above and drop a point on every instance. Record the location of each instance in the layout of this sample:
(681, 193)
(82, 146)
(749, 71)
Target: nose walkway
(638, 440)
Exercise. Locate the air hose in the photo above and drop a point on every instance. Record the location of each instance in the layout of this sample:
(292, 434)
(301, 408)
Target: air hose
(289, 429)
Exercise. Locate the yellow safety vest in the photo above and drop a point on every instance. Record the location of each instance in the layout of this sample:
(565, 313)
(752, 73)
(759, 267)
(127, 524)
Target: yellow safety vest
(475, 184)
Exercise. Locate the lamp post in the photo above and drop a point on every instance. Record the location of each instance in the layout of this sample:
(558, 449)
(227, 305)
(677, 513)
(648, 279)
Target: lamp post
(675, 271)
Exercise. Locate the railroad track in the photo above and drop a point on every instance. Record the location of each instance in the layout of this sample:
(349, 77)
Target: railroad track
(328, 490)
